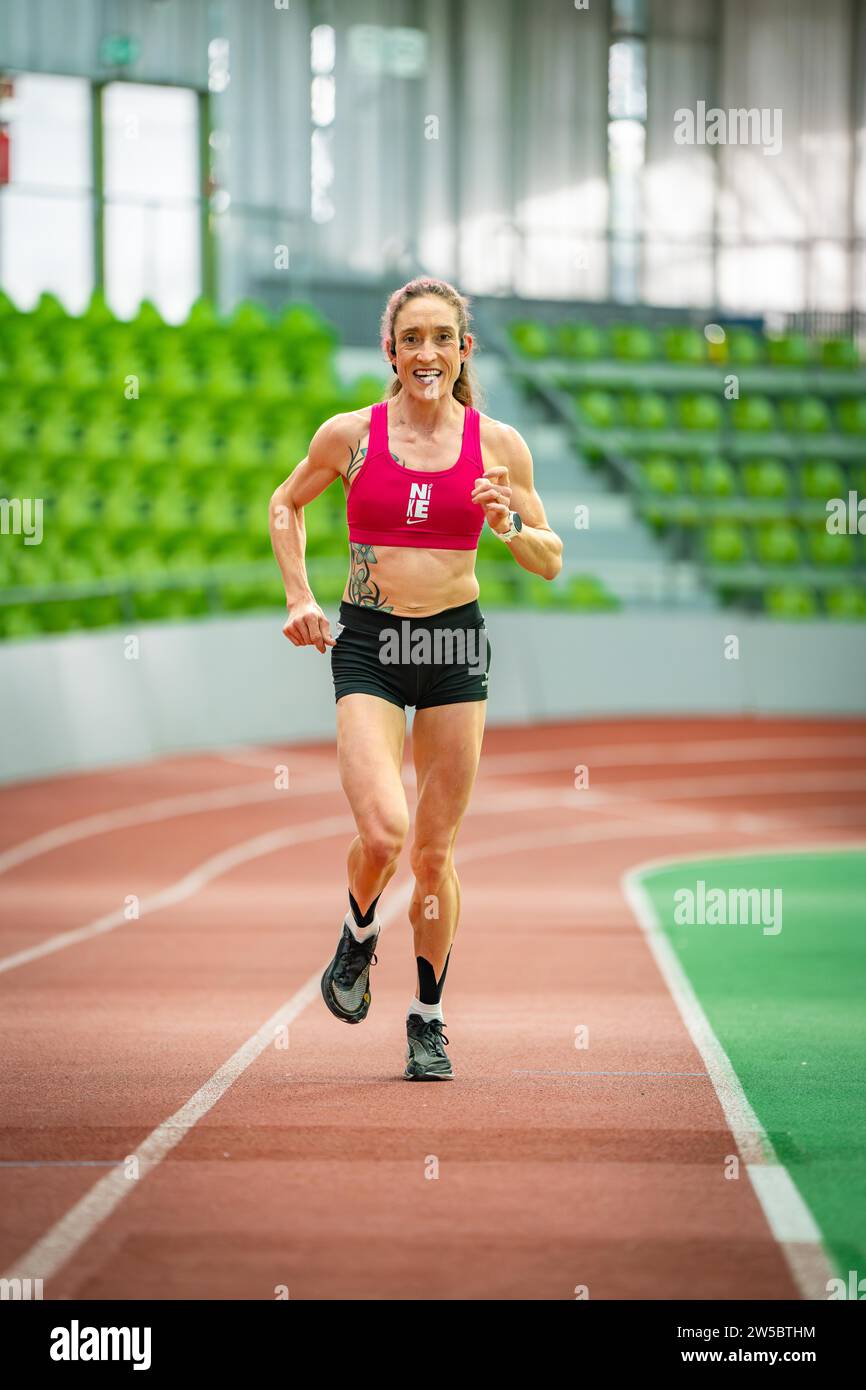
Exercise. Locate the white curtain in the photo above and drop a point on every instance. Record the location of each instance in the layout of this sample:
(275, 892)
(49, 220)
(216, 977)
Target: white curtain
(559, 69)
(679, 182)
(794, 57)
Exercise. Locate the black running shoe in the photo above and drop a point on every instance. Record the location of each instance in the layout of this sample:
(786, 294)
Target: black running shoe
(346, 982)
(425, 1050)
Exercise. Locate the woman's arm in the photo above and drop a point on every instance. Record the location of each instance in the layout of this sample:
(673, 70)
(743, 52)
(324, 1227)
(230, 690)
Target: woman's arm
(306, 624)
(507, 486)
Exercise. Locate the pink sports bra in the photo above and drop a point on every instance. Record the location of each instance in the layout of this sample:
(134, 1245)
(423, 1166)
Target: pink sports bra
(391, 505)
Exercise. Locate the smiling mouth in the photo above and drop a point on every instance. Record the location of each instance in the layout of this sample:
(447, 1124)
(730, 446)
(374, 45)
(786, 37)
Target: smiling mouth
(427, 374)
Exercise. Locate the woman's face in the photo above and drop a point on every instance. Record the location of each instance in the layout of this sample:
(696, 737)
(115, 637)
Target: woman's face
(427, 347)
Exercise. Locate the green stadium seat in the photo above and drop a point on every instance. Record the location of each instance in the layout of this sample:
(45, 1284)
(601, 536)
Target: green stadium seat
(725, 544)
(162, 605)
(805, 415)
(766, 478)
(249, 327)
(148, 443)
(18, 620)
(530, 338)
(104, 436)
(34, 370)
(846, 603)
(753, 413)
(582, 342)
(822, 479)
(174, 374)
(221, 380)
(499, 592)
(840, 352)
(598, 409)
(711, 477)
(777, 544)
(826, 549)
(647, 410)
(587, 593)
(329, 587)
(745, 348)
(661, 474)
(684, 345)
(790, 350)
(80, 369)
(699, 412)
(56, 434)
(270, 385)
(790, 601)
(76, 507)
(852, 415)
(632, 343)
(125, 506)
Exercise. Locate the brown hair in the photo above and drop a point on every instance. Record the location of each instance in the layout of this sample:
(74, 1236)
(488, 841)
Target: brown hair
(465, 389)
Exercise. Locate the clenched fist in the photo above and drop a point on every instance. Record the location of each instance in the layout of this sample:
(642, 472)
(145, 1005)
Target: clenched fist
(307, 626)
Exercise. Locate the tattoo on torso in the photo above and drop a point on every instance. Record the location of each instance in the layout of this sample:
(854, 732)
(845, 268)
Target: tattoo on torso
(362, 588)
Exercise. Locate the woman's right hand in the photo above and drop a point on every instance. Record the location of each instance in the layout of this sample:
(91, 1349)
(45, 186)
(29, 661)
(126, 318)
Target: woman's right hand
(307, 626)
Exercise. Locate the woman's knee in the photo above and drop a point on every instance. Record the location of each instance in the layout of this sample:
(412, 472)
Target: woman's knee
(431, 860)
(383, 838)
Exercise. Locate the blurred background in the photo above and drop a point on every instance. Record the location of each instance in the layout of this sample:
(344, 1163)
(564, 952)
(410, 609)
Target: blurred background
(204, 205)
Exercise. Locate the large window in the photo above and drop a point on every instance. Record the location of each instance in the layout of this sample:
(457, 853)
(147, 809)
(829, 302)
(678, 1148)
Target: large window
(626, 133)
(135, 221)
(152, 226)
(46, 235)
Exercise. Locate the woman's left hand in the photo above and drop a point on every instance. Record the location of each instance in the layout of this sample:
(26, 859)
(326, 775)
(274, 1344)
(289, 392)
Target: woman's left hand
(493, 493)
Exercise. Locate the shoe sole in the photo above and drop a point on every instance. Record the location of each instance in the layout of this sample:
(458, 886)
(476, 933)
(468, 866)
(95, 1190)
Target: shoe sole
(334, 1006)
(428, 1076)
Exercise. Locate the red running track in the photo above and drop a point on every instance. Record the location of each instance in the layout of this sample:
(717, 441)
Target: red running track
(184, 1119)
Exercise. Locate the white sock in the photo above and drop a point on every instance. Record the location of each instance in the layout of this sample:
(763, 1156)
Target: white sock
(362, 933)
(427, 1011)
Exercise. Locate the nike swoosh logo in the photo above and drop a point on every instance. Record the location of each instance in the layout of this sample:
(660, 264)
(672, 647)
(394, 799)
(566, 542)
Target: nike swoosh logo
(418, 521)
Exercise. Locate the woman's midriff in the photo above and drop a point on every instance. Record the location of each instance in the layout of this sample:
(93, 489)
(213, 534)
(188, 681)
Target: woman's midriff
(409, 581)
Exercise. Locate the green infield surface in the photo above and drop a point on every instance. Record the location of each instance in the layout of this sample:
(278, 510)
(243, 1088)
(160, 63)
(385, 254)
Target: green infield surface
(781, 978)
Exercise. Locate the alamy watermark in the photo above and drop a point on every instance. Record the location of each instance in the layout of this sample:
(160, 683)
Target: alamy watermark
(724, 907)
(22, 516)
(739, 126)
(441, 646)
(846, 518)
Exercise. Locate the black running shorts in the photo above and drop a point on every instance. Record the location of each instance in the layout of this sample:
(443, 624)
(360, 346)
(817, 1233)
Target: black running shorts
(440, 660)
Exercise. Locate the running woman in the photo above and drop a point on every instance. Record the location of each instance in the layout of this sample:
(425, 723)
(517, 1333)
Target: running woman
(411, 631)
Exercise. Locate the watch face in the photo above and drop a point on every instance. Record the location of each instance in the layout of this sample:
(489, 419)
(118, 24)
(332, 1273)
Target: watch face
(516, 522)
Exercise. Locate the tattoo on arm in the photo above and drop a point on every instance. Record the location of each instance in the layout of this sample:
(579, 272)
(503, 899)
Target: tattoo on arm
(362, 589)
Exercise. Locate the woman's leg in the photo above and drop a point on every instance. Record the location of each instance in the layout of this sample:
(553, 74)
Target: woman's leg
(370, 736)
(446, 744)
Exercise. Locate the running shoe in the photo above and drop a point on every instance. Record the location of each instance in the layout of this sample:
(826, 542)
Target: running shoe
(346, 982)
(425, 1050)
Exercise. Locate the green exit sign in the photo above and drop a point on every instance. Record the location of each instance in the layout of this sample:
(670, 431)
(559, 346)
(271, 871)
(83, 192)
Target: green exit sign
(118, 51)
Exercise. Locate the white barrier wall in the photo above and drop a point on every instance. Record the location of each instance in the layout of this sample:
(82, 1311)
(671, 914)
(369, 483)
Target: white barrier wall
(79, 701)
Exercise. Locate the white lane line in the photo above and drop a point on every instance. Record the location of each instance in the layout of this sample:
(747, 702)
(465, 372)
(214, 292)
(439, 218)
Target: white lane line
(63, 1240)
(185, 887)
(787, 1214)
(166, 807)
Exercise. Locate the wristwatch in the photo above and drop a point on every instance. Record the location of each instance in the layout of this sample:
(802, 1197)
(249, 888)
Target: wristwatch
(514, 529)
